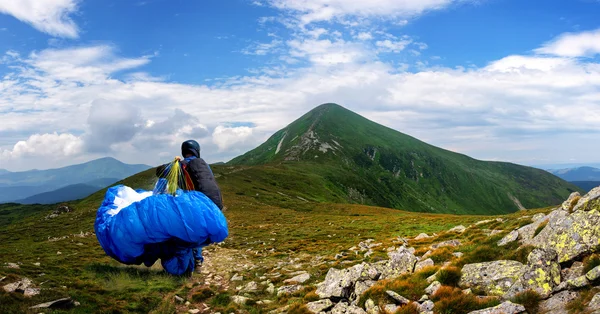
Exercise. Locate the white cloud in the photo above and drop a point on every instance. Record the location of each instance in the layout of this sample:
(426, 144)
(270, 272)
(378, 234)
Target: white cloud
(261, 49)
(310, 11)
(49, 145)
(327, 52)
(226, 137)
(392, 45)
(364, 36)
(48, 16)
(573, 45)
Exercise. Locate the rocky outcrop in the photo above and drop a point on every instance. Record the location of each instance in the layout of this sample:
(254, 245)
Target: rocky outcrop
(319, 306)
(542, 274)
(571, 201)
(504, 308)
(492, 278)
(590, 201)
(558, 302)
(401, 261)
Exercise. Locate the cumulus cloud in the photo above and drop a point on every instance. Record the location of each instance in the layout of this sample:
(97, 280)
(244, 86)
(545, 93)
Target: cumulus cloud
(226, 137)
(583, 44)
(49, 145)
(111, 123)
(48, 16)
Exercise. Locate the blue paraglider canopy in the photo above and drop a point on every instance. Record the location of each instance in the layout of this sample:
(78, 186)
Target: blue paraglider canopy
(137, 226)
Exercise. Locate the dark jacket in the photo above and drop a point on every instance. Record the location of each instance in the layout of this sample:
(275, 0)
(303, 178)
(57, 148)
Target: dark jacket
(202, 177)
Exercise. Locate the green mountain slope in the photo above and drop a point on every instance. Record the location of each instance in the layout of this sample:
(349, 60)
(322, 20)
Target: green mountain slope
(364, 162)
(69, 192)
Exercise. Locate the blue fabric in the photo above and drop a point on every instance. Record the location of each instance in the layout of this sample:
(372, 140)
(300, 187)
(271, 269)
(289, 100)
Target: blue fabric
(160, 226)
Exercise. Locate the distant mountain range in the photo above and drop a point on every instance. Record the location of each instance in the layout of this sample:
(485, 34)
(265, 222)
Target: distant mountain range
(63, 184)
(364, 162)
(586, 177)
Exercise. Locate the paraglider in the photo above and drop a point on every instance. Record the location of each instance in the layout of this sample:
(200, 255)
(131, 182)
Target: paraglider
(170, 223)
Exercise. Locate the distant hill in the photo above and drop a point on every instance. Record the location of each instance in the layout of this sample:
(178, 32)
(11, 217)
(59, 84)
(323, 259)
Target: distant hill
(586, 185)
(69, 192)
(578, 174)
(3, 171)
(15, 186)
(368, 163)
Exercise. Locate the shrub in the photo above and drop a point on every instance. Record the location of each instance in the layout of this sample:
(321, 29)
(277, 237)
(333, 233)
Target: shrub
(449, 276)
(441, 255)
(410, 308)
(591, 262)
(540, 227)
(529, 299)
(450, 300)
(311, 296)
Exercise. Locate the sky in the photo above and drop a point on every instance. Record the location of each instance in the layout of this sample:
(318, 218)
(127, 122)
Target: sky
(505, 80)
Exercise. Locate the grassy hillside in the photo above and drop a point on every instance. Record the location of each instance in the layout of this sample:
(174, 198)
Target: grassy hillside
(277, 225)
(363, 162)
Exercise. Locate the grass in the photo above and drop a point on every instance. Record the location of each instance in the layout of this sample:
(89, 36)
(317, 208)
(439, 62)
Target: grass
(578, 306)
(449, 276)
(540, 227)
(450, 300)
(591, 262)
(529, 299)
(411, 308)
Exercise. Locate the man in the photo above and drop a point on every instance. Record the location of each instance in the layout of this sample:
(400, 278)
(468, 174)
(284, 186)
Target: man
(202, 178)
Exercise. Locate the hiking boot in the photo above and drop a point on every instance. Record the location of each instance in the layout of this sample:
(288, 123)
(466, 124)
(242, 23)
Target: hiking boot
(198, 266)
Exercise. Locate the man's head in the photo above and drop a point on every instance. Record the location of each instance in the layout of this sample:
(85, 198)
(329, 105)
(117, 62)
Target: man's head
(190, 148)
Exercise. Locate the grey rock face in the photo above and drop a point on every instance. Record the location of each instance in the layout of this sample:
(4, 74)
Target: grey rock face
(433, 288)
(589, 201)
(568, 204)
(289, 289)
(578, 282)
(593, 274)
(319, 306)
(397, 298)
(493, 278)
(427, 306)
(506, 307)
(302, 278)
(422, 264)
(576, 270)
(509, 238)
(558, 302)
(345, 308)
(401, 261)
(595, 302)
(542, 274)
(341, 283)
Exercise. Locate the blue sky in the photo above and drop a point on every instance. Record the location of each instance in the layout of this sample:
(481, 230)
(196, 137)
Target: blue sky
(494, 79)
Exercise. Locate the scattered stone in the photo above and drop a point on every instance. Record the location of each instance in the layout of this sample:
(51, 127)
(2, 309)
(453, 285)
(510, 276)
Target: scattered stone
(338, 256)
(194, 311)
(38, 264)
(576, 270)
(542, 274)
(424, 298)
(558, 302)
(187, 303)
(593, 274)
(371, 307)
(595, 302)
(427, 306)
(495, 232)
(433, 288)
(13, 265)
(481, 222)
(431, 278)
(451, 243)
(289, 289)
(467, 291)
(422, 264)
(458, 254)
(422, 236)
(561, 287)
(568, 204)
(391, 308)
(589, 201)
(239, 300)
(509, 238)
(505, 308)
(237, 277)
(361, 286)
(578, 282)
(59, 253)
(64, 303)
(398, 298)
(302, 278)
(250, 287)
(459, 229)
(493, 278)
(2, 279)
(270, 289)
(344, 308)
(22, 286)
(319, 306)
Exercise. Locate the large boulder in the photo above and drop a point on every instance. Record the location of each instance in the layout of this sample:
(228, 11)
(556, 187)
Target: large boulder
(492, 278)
(505, 308)
(558, 302)
(542, 274)
(340, 284)
(319, 306)
(570, 235)
(401, 261)
(571, 201)
(527, 233)
(589, 201)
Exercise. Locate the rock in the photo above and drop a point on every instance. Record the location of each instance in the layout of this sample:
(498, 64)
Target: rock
(64, 303)
(344, 308)
(578, 282)
(433, 288)
(505, 308)
(13, 265)
(451, 243)
(390, 308)
(542, 274)
(19, 286)
(401, 261)
(361, 286)
(239, 300)
(558, 302)
(569, 203)
(187, 303)
(422, 264)
(340, 283)
(250, 287)
(302, 278)
(570, 235)
(319, 306)
(458, 254)
(289, 289)
(538, 216)
(237, 277)
(467, 291)
(493, 278)
(424, 298)
(397, 298)
(422, 236)
(589, 201)
(426, 306)
(576, 270)
(593, 274)
(509, 238)
(561, 287)
(595, 302)
(194, 311)
(371, 307)
(432, 278)
(459, 229)
(270, 289)
(30, 292)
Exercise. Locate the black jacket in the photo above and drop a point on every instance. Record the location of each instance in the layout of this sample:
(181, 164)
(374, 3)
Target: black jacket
(202, 177)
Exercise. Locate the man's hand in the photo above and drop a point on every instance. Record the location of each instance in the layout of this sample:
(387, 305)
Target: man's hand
(177, 158)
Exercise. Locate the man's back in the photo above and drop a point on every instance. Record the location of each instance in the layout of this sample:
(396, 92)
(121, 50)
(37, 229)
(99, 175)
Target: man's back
(204, 180)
